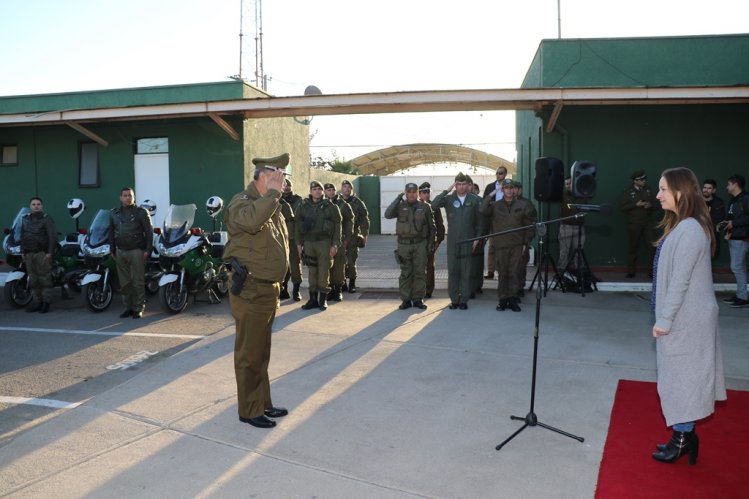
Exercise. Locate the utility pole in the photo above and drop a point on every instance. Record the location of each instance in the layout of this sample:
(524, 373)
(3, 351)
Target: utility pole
(559, 19)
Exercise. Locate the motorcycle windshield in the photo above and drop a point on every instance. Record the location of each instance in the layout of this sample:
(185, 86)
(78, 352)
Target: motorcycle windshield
(178, 221)
(98, 233)
(16, 229)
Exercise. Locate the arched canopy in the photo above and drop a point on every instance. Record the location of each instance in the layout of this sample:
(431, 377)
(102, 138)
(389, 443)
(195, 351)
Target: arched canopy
(392, 159)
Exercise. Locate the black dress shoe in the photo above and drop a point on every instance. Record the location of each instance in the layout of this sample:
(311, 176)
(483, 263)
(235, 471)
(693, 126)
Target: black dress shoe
(137, 315)
(452, 306)
(405, 305)
(126, 313)
(276, 412)
(463, 306)
(259, 422)
(502, 305)
(420, 304)
(429, 295)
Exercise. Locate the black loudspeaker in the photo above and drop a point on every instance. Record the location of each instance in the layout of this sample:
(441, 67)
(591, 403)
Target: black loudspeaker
(583, 176)
(549, 182)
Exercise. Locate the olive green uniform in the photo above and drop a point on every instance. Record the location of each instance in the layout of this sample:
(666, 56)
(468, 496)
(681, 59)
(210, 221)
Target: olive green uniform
(338, 271)
(463, 222)
(39, 239)
(318, 228)
(289, 206)
(130, 236)
(259, 241)
(361, 228)
(440, 226)
(639, 224)
(416, 233)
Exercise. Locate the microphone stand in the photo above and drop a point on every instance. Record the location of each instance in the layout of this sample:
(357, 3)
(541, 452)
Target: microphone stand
(531, 419)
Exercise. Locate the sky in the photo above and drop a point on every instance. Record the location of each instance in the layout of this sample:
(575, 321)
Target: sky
(340, 46)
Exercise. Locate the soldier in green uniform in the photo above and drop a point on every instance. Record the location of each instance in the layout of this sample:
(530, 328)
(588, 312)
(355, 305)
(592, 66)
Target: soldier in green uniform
(477, 262)
(523, 268)
(509, 213)
(417, 235)
(463, 220)
(258, 244)
(361, 232)
(638, 203)
(290, 203)
(131, 242)
(425, 193)
(338, 271)
(38, 241)
(318, 234)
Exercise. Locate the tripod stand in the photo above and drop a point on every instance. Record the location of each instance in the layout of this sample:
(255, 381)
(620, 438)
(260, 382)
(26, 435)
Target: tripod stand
(546, 258)
(531, 419)
(584, 274)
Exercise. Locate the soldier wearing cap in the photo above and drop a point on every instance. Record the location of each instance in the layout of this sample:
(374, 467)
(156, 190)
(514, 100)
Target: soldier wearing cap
(638, 203)
(509, 213)
(258, 241)
(338, 271)
(38, 242)
(496, 188)
(463, 220)
(523, 270)
(425, 193)
(416, 233)
(477, 261)
(318, 234)
(361, 232)
(289, 206)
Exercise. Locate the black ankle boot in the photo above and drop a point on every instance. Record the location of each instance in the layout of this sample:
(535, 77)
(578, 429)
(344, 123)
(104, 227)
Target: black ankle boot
(682, 442)
(295, 293)
(352, 286)
(312, 302)
(284, 294)
(512, 304)
(322, 303)
(335, 293)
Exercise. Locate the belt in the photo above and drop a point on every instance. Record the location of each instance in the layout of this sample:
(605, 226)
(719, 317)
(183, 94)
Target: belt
(413, 240)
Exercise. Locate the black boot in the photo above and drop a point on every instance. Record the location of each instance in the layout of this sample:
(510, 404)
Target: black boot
(502, 304)
(34, 307)
(312, 302)
(682, 442)
(295, 293)
(405, 305)
(512, 304)
(337, 296)
(344, 286)
(44, 308)
(420, 304)
(284, 294)
(352, 286)
(323, 303)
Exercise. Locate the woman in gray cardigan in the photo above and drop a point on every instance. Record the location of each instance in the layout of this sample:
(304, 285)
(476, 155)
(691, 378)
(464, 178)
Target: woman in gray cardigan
(688, 353)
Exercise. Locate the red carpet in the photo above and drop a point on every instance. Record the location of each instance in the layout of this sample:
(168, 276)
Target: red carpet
(628, 471)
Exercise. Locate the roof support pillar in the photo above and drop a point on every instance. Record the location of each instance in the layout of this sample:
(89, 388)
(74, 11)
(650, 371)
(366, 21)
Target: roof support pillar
(225, 126)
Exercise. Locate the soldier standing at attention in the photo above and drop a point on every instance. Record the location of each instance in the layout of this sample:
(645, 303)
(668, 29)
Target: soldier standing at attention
(131, 243)
(416, 239)
(361, 232)
(258, 244)
(425, 192)
(638, 203)
(495, 187)
(318, 234)
(463, 219)
(338, 271)
(38, 241)
(290, 203)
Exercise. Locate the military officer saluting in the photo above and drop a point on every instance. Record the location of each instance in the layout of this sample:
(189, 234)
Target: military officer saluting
(38, 241)
(638, 203)
(425, 193)
(318, 234)
(416, 233)
(259, 252)
(463, 222)
(338, 271)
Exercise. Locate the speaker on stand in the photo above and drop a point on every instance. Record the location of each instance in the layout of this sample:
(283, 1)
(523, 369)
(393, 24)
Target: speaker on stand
(548, 186)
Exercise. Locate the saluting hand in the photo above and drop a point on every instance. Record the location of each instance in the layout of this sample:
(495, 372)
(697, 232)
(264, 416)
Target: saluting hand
(275, 180)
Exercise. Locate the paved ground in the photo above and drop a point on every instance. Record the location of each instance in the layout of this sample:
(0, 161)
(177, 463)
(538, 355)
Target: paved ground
(384, 403)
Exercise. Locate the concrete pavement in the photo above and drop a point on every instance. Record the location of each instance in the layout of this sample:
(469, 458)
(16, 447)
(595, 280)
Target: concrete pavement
(383, 403)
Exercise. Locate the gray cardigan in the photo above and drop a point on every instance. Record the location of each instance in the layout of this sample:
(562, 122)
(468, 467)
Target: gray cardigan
(689, 358)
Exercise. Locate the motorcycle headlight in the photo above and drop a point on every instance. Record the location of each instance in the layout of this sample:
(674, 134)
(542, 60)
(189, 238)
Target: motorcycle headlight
(98, 252)
(174, 251)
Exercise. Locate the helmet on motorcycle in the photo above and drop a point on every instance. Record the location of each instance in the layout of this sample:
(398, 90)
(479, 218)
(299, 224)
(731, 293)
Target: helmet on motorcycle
(149, 206)
(214, 205)
(76, 207)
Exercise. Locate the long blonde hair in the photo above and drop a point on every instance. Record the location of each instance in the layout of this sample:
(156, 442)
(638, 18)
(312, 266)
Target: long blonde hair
(689, 203)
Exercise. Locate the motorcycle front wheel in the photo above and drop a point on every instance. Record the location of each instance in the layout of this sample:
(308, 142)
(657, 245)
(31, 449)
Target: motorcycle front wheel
(98, 296)
(17, 294)
(152, 286)
(171, 299)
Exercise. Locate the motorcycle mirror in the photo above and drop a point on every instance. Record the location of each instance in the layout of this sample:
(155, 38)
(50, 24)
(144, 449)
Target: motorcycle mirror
(157, 230)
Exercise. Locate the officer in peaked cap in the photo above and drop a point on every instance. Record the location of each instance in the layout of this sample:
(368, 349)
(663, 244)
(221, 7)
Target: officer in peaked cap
(638, 203)
(258, 243)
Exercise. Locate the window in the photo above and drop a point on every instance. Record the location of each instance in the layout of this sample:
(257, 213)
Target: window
(9, 155)
(153, 145)
(88, 164)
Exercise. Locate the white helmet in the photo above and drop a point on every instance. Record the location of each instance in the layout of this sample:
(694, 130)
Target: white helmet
(76, 207)
(214, 205)
(149, 206)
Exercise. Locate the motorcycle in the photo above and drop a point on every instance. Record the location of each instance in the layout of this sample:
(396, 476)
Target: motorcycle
(97, 282)
(190, 259)
(66, 264)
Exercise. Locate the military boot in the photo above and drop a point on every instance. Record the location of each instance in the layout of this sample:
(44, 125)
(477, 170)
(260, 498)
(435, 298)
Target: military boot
(512, 304)
(284, 294)
(335, 293)
(352, 286)
(295, 292)
(323, 303)
(44, 308)
(312, 302)
(34, 307)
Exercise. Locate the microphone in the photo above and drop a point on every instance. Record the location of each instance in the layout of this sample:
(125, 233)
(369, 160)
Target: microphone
(604, 209)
